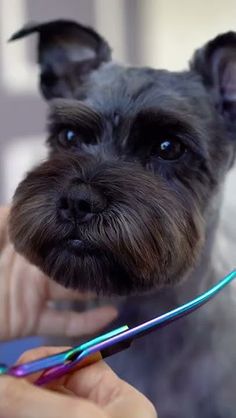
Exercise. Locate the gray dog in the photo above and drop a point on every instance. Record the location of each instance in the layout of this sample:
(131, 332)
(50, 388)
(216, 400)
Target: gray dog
(128, 204)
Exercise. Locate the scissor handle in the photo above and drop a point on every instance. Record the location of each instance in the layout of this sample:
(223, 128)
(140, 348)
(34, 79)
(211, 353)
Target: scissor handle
(3, 368)
(58, 360)
(86, 358)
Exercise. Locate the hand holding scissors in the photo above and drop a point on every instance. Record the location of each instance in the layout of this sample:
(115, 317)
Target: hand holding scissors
(108, 344)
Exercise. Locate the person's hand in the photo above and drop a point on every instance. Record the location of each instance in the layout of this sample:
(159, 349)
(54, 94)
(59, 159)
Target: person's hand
(26, 295)
(92, 392)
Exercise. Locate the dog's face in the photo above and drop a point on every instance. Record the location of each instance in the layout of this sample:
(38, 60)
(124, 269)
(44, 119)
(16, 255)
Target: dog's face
(136, 158)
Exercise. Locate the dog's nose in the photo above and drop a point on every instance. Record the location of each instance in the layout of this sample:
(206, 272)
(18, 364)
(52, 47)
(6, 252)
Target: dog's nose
(81, 203)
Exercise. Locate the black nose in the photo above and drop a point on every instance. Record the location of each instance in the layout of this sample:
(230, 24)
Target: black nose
(80, 203)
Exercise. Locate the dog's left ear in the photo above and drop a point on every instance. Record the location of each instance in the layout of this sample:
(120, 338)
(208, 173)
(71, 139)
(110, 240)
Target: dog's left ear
(216, 63)
(67, 53)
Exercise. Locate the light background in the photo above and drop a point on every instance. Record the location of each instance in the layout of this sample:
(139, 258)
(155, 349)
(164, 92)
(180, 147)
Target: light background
(159, 33)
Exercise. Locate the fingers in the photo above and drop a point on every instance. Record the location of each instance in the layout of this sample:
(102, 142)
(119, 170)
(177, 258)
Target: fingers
(58, 292)
(6, 259)
(72, 324)
(26, 296)
(20, 399)
(4, 212)
(99, 384)
(25, 290)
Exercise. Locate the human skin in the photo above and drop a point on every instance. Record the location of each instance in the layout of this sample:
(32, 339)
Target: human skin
(95, 391)
(26, 295)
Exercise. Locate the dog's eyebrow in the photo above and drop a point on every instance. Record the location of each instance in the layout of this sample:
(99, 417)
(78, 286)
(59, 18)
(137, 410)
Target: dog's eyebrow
(75, 113)
(174, 123)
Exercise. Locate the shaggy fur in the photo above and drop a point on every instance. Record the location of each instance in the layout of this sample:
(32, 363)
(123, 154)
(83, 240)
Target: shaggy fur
(127, 202)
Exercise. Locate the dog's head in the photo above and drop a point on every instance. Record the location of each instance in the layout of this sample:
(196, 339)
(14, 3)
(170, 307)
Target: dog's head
(136, 158)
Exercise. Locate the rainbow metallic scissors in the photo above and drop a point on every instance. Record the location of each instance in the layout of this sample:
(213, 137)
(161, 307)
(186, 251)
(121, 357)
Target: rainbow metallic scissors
(57, 365)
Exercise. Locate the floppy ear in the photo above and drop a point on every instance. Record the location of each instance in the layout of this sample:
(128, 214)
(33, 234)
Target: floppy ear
(216, 63)
(67, 53)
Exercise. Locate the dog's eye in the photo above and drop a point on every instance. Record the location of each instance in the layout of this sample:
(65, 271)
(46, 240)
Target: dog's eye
(169, 149)
(68, 137)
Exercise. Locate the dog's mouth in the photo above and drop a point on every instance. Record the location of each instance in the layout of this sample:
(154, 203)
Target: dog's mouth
(73, 244)
(80, 263)
(80, 246)
(104, 260)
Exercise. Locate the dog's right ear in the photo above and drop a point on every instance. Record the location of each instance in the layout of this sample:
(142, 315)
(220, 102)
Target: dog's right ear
(67, 53)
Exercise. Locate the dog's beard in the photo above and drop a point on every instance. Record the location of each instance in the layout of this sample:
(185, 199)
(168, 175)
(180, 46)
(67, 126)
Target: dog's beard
(148, 236)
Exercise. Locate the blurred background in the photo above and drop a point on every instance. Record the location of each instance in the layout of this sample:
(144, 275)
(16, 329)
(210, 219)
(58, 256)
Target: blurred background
(157, 33)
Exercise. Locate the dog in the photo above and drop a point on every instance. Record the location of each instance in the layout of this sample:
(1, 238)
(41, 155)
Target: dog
(128, 204)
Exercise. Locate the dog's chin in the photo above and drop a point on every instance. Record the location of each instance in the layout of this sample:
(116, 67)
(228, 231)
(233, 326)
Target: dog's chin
(82, 266)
